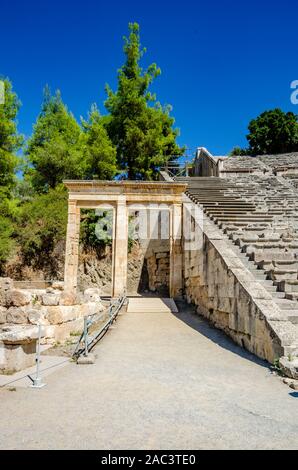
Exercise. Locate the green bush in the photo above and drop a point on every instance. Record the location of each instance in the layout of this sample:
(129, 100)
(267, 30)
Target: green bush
(96, 228)
(41, 224)
(6, 241)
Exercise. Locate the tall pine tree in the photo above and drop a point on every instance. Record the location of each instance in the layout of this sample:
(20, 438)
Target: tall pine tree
(139, 126)
(10, 142)
(98, 151)
(54, 150)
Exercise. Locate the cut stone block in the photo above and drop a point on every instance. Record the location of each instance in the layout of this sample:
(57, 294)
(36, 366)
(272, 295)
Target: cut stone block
(3, 315)
(17, 348)
(289, 367)
(86, 360)
(17, 315)
(18, 298)
(50, 299)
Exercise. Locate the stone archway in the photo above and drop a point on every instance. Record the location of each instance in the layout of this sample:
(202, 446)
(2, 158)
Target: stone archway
(120, 196)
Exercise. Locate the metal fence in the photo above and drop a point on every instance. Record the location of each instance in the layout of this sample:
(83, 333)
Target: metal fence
(91, 334)
(178, 168)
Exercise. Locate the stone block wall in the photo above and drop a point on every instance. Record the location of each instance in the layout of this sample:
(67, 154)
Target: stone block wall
(205, 164)
(21, 311)
(147, 268)
(228, 295)
(157, 259)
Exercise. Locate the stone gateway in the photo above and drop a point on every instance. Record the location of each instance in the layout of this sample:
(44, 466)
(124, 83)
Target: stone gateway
(120, 197)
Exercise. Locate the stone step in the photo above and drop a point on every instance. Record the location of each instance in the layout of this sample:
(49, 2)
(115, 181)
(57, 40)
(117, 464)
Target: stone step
(151, 305)
(258, 274)
(272, 289)
(291, 296)
(285, 304)
(229, 205)
(274, 259)
(242, 224)
(276, 295)
(287, 262)
(268, 284)
(240, 221)
(292, 316)
(224, 212)
(221, 199)
(283, 275)
(247, 263)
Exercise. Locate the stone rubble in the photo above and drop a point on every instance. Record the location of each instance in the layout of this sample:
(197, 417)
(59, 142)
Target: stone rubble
(59, 313)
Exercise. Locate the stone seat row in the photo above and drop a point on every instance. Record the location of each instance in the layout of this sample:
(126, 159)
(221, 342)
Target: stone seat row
(260, 216)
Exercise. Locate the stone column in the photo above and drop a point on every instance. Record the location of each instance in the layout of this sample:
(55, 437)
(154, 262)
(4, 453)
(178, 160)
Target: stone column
(120, 246)
(72, 248)
(176, 275)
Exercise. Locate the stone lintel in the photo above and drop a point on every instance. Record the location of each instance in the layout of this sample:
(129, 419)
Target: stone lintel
(135, 191)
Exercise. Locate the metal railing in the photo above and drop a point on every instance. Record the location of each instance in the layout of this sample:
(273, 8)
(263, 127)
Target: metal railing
(90, 335)
(178, 168)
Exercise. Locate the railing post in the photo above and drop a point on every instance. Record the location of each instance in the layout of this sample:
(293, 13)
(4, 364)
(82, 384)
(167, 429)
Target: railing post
(86, 335)
(37, 382)
(112, 311)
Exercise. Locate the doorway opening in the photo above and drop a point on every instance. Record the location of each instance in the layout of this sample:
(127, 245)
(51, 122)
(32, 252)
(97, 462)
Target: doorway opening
(148, 267)
(96, 250)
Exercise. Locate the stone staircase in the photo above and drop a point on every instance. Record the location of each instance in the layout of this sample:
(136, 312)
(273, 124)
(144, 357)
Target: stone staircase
(274, 164)
(151, 305)
(259, 219)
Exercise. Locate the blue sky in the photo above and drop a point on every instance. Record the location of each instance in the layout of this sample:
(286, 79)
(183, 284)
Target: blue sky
(222, 62)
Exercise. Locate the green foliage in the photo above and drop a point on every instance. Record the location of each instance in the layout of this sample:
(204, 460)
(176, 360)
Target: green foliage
(96, 228)
(273, 132)
(8, 210)
(61, 149)
(135, 139)
(140, 128)
(54, 150)
(277, 367)
(8, 164)
(23, 190)
(6, 241)
(42, 224)
(238, 151)
(98, 151)
(10, 140)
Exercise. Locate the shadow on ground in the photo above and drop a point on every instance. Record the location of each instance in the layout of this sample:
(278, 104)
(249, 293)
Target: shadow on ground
(188, 315)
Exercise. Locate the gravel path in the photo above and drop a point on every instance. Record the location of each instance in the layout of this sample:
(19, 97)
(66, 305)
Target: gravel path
(161, 381)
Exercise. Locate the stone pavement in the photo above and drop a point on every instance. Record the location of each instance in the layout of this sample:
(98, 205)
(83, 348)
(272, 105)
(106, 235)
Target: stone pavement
(48, 365)
(160, 381)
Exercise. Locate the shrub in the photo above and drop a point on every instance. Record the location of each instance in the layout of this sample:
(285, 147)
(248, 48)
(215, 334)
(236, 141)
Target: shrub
(6, 241)
(42, 224)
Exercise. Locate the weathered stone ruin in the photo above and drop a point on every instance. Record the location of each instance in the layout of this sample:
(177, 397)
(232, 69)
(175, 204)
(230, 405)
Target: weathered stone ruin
(244, 274)
(61, 308)
(22, 310)
(240, 270)
(148, 264)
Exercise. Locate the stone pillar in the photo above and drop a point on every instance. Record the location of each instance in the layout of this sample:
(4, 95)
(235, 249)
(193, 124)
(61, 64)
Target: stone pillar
(176, 275)
(120, 247)
(72, 248)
